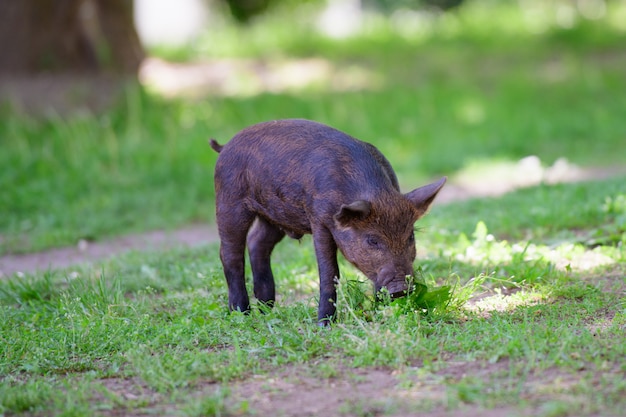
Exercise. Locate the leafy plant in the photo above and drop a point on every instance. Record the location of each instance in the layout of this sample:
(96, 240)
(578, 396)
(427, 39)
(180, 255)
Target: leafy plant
(613, 233)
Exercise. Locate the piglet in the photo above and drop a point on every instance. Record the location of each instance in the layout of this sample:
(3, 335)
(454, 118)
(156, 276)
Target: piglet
(292, 177)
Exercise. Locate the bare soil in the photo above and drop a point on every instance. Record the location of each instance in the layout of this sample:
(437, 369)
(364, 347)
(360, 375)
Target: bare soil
(89, 252)
(296, 392)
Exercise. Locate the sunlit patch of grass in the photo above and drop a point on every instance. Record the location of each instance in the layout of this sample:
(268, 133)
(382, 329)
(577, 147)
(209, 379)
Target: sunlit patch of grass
(500, 301)
(245, 79)
(581, 209)
(486, 249)
(301, 34)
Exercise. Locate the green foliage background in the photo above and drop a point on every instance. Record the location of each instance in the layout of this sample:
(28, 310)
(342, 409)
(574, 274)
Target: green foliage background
(438, 92)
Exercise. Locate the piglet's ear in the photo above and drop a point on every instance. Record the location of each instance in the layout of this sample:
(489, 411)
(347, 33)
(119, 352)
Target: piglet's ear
(356, 210)
(423, 197)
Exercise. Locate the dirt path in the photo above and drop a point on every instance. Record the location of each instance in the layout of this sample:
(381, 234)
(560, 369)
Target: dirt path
(491, 182)
(88, 252)
(297, 391)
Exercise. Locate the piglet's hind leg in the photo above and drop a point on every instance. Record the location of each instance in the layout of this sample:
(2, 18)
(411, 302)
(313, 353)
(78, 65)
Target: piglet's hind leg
(233, 227)
(262, 239)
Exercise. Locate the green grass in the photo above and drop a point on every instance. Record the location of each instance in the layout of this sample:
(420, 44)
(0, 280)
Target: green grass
(557, 211)
(434, 102)
(156, 325)
(525, 309)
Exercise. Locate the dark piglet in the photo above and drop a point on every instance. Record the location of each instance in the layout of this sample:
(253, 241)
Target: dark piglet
(291, 177)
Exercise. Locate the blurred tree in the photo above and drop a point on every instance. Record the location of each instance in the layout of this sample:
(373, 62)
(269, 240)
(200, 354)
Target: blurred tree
(389, 5)
(443, 4)
(68, 36)
(244, 10)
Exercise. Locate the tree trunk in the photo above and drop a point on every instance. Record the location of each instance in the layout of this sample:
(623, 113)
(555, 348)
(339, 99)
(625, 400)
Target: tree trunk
(57, 36)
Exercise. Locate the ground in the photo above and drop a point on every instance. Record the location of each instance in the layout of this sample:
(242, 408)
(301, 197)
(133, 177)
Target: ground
(336, 388)
(295, 392)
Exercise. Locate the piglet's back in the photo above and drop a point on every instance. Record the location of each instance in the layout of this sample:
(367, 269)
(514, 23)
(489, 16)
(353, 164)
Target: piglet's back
(305, 153)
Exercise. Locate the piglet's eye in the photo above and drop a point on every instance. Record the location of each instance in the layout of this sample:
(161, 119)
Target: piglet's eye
(373, 241)
(411, 239)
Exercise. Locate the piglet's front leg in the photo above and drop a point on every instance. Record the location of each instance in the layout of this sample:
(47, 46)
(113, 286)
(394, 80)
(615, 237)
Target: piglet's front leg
(326, 253)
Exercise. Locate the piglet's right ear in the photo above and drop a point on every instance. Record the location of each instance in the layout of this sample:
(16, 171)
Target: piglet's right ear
(422, 197)
(356, 210)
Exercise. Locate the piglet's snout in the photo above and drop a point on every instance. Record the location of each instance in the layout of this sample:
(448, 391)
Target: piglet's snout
(397, 284)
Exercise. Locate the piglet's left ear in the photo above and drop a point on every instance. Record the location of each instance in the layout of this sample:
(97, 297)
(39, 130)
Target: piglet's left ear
(423, 197)
(356, 210)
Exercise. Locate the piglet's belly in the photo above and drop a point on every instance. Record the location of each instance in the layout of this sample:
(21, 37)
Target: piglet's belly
(292, 220)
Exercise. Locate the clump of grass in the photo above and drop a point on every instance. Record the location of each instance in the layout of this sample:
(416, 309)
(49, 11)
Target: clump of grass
(215, 404)
(614, 232)
(22, 397)
(421, 299)
(27, 290)
(432, 300)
